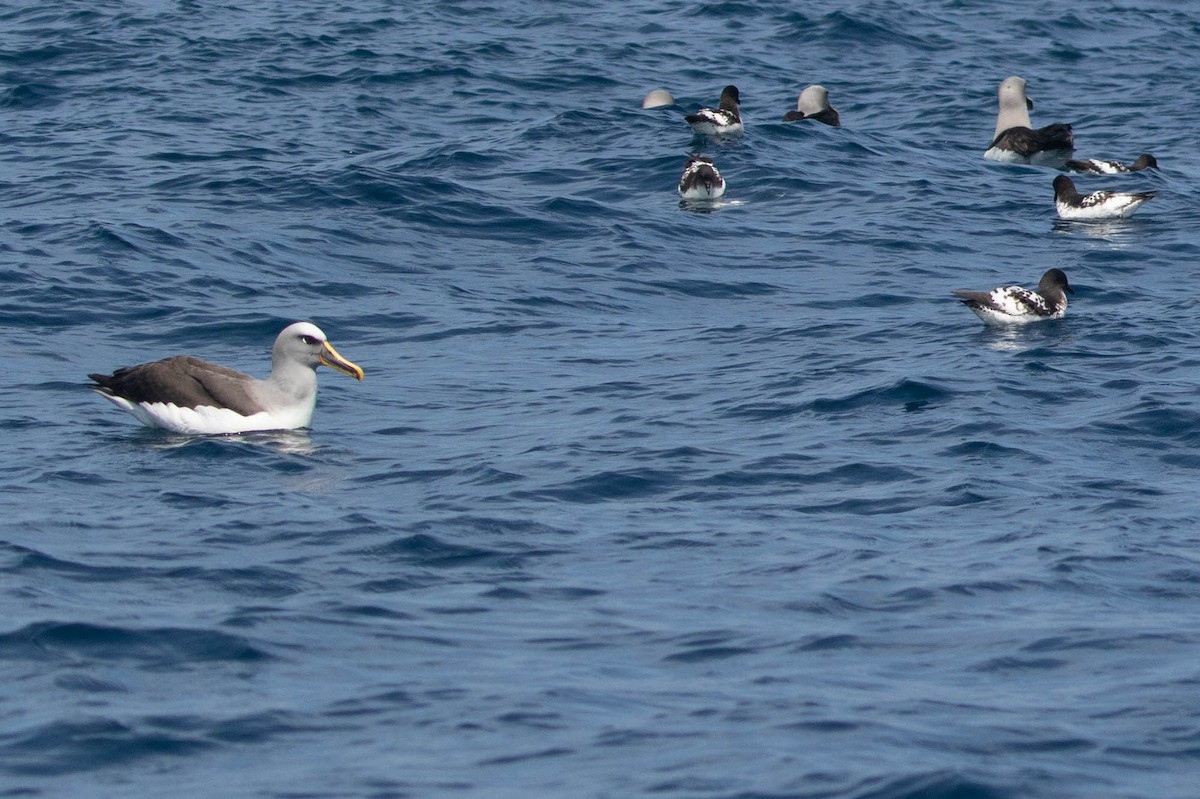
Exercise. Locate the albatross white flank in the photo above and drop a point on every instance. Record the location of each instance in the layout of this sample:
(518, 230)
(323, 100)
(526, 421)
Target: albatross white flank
(1016, 141)
(1017, 305)
(189, 395)
(1070, 204)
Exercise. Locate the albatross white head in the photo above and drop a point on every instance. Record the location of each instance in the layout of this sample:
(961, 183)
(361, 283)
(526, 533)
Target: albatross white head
(305, 343)
(1014, 106)
(291, 388)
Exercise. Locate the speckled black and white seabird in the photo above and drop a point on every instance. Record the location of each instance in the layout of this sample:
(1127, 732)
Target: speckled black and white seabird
(188, 395)
(1095, 166)
(1016, 142)
(701, 180)
(721, 121)
(1015, 305)
(1097, 205)
(813, 103)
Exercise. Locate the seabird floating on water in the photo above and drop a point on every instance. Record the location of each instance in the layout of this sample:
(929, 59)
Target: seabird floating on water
(720, 121)
(701, 180)
(1097, 205)
(1015, 141)
(1095, 166)
(814, 104)
(189, 395)
(1013, 304)
(657, 99)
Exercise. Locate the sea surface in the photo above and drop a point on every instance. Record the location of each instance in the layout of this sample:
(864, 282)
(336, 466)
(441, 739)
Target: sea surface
(637, 498)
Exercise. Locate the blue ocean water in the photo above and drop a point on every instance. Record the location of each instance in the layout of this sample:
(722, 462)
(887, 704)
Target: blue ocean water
(636, 499)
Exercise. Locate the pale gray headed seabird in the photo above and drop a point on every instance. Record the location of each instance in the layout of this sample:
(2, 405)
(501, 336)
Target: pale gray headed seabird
(1095, 166)
(1013, 304)
(701, 180)
(1016, 142)
(1070, 204)
(720, 121)
(813, 103)
(188, 395)
(658, 98)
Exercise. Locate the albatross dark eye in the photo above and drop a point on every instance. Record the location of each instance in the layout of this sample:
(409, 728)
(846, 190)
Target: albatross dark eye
(309, 340)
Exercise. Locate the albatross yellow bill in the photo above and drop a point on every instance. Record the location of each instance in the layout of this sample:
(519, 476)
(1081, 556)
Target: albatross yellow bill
(329, 357)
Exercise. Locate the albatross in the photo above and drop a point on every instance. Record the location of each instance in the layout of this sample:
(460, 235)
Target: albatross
(1016, 141)
(813, 103)
(189, 395)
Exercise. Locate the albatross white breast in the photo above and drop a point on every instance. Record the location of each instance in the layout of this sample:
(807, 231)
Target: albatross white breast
(189, 395)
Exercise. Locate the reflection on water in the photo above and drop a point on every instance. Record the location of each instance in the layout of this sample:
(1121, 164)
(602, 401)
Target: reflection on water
(1033, 335)
(1115, 232)
(285, 442)
(708, 206)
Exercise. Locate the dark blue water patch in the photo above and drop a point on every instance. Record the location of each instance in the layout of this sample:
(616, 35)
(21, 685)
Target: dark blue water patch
(249, 154)
(1095, 640)
(854, 29)
(540, 754)
(154, 649)
(1018, 665)
(830, 642)
(937, 785)
(25, 561)
(506, 593)
(80, 746)
(251, 581)
(88, 684)
(486, 329)
(566, 125)
(375, 704)
(370, 612)
(1152, 421)
(29, 96)
(870, 301)
(1183, 461)
(807, 471)
(705, 653)
(609, 486)
(423, 549)
(987, 451)
(824, 727)
(257, 728)
(906, 394)
(71, 476)
(706, 289)
(191, 502)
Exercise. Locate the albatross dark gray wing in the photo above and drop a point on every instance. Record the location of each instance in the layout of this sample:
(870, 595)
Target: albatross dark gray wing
(1028, 143)
(186, 381)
